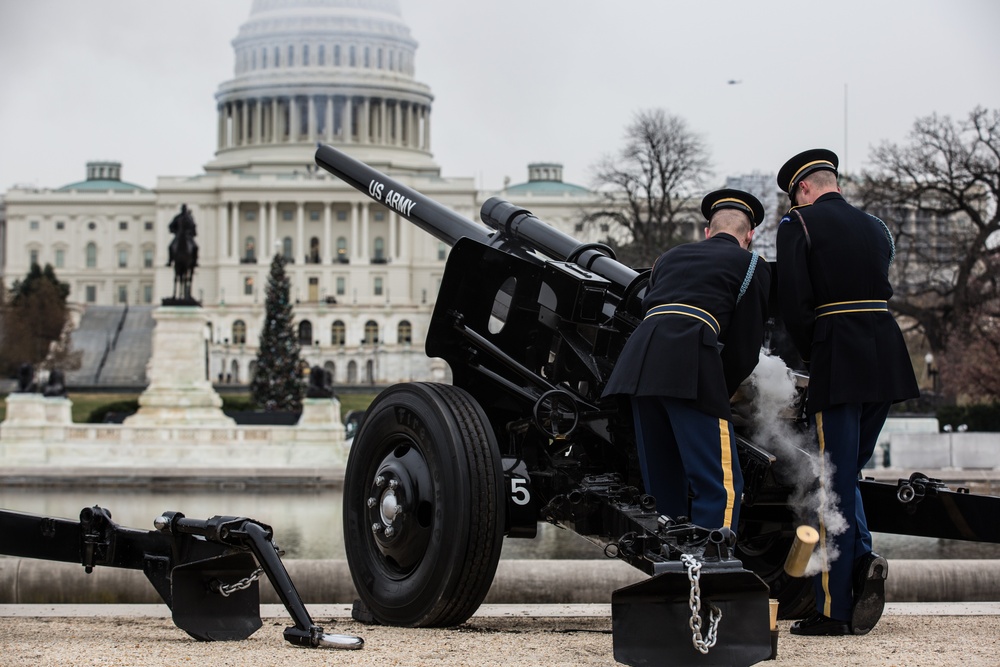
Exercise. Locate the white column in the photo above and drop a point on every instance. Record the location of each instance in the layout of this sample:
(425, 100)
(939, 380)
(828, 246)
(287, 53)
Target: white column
(405, 244)
(261, 249)
(272, 236)
(383, 121)
(365, 248)
(327, 219)
(258, 121)
(397, 122)
(348, 119)
(293, 119)
(329, 118)
(354, 232)
(363, 131)
(300, 245)
(274, 119)
(427, 128)
(394, 220)
(244, 123)
(311, 118)
(222, 217)
(222, 126)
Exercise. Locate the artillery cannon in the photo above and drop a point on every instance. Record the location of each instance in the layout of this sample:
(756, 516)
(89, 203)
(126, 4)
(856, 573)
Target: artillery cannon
(531, 322)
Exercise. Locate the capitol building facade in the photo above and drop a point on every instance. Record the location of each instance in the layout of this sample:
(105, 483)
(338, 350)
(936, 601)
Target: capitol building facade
(363, 279)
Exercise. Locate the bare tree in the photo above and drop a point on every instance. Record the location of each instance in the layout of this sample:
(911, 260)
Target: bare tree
(939, 194)
(649, 188)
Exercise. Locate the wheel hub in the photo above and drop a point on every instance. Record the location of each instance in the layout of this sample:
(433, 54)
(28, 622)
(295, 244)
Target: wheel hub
(398, 508)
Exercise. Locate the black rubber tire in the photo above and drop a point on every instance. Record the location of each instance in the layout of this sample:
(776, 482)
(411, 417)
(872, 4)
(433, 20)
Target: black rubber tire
(764, 555)
(435, 570)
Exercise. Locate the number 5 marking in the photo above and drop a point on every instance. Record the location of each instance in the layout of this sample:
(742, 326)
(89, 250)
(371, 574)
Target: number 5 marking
(519, 491)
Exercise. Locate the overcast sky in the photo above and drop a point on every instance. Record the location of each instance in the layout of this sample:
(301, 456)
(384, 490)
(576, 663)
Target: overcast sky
(515, 81)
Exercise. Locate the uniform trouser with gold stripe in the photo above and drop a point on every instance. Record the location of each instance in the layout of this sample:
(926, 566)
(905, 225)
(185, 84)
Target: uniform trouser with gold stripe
(681, 446)
(847, 435)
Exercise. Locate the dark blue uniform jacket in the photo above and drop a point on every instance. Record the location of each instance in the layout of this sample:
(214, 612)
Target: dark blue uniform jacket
(679, 356)
(857, 357)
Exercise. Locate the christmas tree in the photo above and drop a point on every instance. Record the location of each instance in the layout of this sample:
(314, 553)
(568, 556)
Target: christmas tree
(277, 383)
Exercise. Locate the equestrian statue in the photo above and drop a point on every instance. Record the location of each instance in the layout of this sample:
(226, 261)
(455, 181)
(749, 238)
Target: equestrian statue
(183, 257)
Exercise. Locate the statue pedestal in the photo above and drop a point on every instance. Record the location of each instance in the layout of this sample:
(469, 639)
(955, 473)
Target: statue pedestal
(178, 393)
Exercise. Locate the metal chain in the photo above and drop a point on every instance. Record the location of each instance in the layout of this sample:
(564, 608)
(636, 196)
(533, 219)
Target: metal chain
(225, 590)
(694, 575)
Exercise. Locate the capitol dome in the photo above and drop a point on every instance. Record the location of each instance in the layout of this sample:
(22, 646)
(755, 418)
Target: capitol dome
(323, 71)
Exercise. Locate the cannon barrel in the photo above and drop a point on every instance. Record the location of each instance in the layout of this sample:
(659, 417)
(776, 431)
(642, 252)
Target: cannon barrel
(517, 223)
(430, 216)
(512, 223)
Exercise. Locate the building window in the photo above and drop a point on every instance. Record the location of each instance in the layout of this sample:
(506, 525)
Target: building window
(277, 57)
(442, 250)
(250, 216)
(352, 57)
(286, 215)
(91, 293)
(305, 332)
(371, 333)
(239, 332)
(147, 258)
(60, 225)
(33, 258)
(60, 258)
(122, 258)
(148, 225)
(404, 332)
(578, 227)
(286, 249)
(605, 227)
(248, 251)
(147, 293)
(33, 225)
(322, 55)
(341, 285)
(305, 55)
(91, 255)
(378, 286)
(341, 215)
(122, 294)
(337, 333)
(336, 55)
(122, 225)
(379, 216)
(248, 286)
(342, 250)
(379, 257)
(91, 225)
(314, 215)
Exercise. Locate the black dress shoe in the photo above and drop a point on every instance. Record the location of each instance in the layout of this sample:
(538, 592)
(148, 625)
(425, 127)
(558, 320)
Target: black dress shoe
(869, 592)
(819, 625)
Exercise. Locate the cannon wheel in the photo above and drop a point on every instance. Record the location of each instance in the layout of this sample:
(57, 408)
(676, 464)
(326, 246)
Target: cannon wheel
(764, 554)
(423, 506)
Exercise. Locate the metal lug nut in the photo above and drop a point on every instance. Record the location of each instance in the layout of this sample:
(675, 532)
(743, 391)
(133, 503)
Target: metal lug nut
(371, 502)
(376, 528)
(393, 483)
(380, 481)
(389, 530)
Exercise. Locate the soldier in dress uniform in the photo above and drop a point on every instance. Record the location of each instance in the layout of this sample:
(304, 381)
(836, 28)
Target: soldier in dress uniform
(705, 308)
(833, 288)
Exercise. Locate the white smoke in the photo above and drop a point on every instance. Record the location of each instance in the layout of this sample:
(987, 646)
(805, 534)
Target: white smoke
(813, 497)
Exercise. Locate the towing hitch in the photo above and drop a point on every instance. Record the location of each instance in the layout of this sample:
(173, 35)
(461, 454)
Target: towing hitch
(700, 609)
(206, 571)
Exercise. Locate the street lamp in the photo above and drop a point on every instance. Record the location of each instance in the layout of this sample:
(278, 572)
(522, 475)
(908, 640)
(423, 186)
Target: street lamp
(932, 372)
